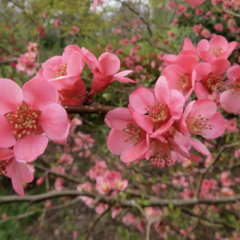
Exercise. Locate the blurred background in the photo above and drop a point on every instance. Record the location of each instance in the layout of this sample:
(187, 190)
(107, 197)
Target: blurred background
(140, 33)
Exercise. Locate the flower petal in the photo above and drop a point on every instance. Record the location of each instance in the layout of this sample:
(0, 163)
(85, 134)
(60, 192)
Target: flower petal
(30, 147)
(118, 118)
(230, 101)
(75, 64)
(5, 153)
(199, 146)
(116, 142)
(38, 92)
(10, 97)
(140, 99)
(109, 64)
(54, 120)
(176, 104)
(162, 90)
(134, 152)
(217, 123)
(6, 133)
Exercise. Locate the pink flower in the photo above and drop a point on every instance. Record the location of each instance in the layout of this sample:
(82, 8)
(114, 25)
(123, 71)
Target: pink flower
(205, 33)
(103, 186)
(201, 118)
(56, 22)
(217, 47)
(86, 187)
(199, 12)
(180, 9)
(195, 3)
(95, 3)
(44, 14)
(197, 29)
(26, 63)
(64, 73)
(179, 75)
(19, 172)
(126, 138)
(32, 47)
(128, 219)
(209, 77)
(117, 31)
(74, 30)
(105, 70)
(229, 99)
(218, 27)
(174, 22)
(27, 114)
(225, 180)
(187, 50)
(156, 113)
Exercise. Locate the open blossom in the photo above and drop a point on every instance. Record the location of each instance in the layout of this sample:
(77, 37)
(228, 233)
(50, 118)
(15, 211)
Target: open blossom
(187, 50)
(209, 77)
(105, 70)
(56, 22)
(217, 48)
(156, 113)
(19, 172)
(26, 63)
(179, 75)
(64, 73)
(32, 47)
(74, 30)
(28, 113)
(201, 118)
(229, 99)
(103, 185)
(126, 138)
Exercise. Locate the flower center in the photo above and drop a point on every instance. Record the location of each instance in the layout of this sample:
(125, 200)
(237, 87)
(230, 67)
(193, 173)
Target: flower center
(216, 51)
(160, 159)
(24, 121)
(235, 87)
(133, 132)
(184, 81)
(158, 113)
(61, 71)
(3, 167)
(196, 125)
(213, 82)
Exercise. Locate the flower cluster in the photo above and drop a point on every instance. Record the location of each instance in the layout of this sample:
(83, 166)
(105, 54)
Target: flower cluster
(161, 124)
(33, 114)
(27, 61)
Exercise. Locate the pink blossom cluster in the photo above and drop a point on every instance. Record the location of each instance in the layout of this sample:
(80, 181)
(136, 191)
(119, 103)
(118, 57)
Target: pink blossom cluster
(63, 72)
(161, 124)
(29, 117)
(107, 182)
(27, 61)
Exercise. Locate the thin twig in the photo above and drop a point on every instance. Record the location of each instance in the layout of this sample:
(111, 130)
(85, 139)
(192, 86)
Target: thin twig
(95, 223)
(212, 164)
(124, 203)
(86, 109)
(18, 217)
(64, 176)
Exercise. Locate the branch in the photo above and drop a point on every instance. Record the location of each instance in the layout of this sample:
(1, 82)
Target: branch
(86, 109)
(123, 203)
(143, 20)
(64, 176)
(95, 223)
(18, 217)
(213, 163)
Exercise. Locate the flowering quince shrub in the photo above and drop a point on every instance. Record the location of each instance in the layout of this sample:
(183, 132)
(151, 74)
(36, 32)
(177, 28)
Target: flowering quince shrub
(166, 163)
